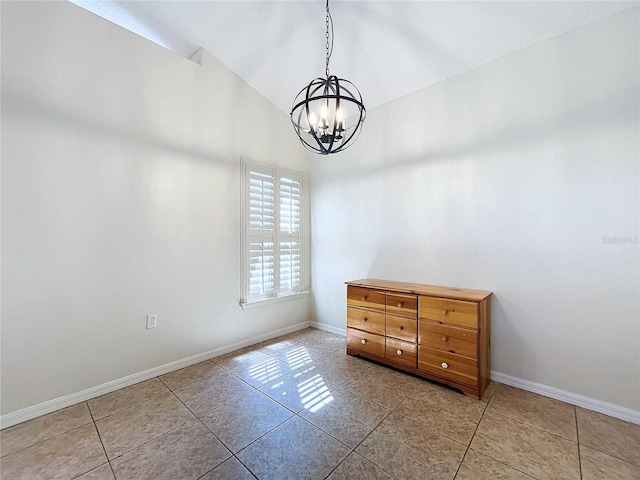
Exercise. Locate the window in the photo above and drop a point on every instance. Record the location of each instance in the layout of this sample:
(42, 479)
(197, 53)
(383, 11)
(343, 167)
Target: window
(273, 233)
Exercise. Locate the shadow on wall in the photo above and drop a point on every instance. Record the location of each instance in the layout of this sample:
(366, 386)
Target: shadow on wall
(15, 104)
(511, 344)
(610, 113)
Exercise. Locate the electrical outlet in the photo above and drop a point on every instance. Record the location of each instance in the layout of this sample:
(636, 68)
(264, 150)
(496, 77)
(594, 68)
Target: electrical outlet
(152, 321)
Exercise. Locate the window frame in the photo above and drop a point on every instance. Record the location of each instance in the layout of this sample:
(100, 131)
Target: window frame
(276, 236)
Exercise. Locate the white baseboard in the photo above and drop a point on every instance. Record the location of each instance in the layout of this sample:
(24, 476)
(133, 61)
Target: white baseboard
(611, 409)
(34, 411)
(329, 328)
(588, 403)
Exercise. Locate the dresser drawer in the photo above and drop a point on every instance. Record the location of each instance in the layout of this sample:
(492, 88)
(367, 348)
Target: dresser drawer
(403, 305)
(449, 365)
(367, 320)
(402, 352)
(452, 339)
(365, 341)
(365, 298)
(402, 328)
(454, 312)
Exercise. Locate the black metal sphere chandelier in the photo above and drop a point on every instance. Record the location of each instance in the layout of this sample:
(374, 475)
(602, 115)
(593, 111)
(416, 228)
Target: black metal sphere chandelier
(319, 113)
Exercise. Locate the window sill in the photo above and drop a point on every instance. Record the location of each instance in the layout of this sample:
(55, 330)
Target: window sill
(274, 300)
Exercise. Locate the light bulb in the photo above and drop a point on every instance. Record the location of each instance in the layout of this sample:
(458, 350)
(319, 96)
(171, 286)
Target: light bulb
(323, 112)
(312, 121)
(340, 119)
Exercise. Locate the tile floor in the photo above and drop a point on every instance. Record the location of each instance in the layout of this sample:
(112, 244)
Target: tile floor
(297, 407)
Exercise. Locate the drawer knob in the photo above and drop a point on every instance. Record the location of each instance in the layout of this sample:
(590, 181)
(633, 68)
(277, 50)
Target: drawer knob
(401, 327)
(364, 319)
(399, 352)
(445, 365)
(444, 339)
(400, 305)
(363, 341)
(364, 298)
(444, 312)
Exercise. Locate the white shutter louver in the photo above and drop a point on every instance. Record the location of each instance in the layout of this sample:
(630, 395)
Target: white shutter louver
(261, 202)
(289, 205)
(290, 273)
(262, 276)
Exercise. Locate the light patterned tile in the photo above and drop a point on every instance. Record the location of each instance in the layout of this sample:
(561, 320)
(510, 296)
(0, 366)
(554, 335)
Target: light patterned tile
(528, 449)
(358, 467)
(383, 386)
(239, 358)
(609, 435)
(447, 415)
(262, 371)
(455, 393)
(295, 450)
(346, 416)
(65, 456)
(103, 472)
(477, 466)
(188, 375)
(128, 429)
(299, 355)
(28, 433)
(330, 342)
(275, 345)
(186, 453)
(339, 369)
(545, 413)
(205, 395)
(231, 469)
(319, 339)
(600, 466)
(305, 334)
(410, 451)
(303, 388)
(244, 420)
(126, 397)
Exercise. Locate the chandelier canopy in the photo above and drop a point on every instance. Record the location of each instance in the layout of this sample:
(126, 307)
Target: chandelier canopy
(327, 114)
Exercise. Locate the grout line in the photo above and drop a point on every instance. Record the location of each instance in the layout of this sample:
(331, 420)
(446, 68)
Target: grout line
(535, 427)
(326, 354)
(3, 458)
(470, 441)
(101, 442)
(254, 475)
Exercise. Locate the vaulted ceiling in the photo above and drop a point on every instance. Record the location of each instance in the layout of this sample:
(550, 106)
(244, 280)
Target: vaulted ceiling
(387, 48)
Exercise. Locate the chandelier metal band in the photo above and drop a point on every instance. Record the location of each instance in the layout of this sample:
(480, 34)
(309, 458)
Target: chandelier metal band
(327, 114)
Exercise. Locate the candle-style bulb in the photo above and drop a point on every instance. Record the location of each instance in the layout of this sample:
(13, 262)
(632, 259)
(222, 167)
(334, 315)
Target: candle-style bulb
(340, 119)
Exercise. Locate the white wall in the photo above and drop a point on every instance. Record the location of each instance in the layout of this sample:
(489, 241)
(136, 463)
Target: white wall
(121, 197)
(506, 178)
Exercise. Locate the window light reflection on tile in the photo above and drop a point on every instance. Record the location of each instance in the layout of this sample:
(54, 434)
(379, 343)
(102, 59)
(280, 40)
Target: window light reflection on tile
(298, 358)
(266, 371)
(314, 393)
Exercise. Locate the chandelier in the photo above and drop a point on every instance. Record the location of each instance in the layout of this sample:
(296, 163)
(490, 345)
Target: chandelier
(327, 114)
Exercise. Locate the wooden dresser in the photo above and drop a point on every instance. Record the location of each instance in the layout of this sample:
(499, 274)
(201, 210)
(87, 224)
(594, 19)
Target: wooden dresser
(438, 333)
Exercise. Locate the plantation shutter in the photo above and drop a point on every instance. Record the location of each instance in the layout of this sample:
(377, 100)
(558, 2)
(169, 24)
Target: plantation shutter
(273, 232)
(261, 217)
(290, 189)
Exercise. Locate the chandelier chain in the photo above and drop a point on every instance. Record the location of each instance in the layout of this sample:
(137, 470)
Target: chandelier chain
(319, 113)
(329, 38)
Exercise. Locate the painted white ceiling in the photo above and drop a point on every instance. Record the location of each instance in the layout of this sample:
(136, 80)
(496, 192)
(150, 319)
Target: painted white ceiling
(387, 48)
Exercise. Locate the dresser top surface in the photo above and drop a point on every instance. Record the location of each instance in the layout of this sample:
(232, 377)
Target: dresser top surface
(420, 289)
